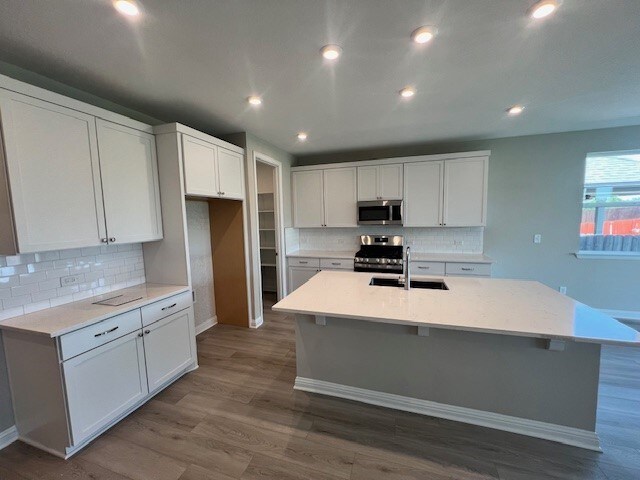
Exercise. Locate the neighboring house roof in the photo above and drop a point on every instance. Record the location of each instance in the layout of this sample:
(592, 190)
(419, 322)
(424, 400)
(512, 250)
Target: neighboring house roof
(612, 169)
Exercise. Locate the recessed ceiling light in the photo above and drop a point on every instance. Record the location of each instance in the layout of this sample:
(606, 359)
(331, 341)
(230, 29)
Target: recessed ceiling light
(302, 136)
(331, 52)
(424, 34)
(543, 8)
(127, 7)
(515, 110)
(254, 100)
(407, 92)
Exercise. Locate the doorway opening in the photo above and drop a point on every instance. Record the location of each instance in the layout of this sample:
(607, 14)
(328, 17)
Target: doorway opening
(270, 232)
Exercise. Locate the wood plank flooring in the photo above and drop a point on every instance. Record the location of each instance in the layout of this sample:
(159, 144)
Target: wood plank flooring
(237, 417)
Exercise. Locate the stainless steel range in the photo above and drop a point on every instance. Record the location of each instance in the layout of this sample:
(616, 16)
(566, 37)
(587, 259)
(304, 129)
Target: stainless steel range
(379, 254)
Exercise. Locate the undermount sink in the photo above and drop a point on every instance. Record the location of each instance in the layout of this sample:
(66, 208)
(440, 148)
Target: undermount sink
(396, 282)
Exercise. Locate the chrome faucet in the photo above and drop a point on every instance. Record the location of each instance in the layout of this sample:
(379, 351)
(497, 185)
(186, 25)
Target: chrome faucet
(406, 271)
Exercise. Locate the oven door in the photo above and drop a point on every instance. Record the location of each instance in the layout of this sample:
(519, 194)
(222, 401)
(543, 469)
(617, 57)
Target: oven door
(380, 212)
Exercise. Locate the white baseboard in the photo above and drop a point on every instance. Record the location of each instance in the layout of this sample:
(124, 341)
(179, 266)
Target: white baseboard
(206, 325)
(257, 322)
(7, 437)
(548, 431)
(627, 316)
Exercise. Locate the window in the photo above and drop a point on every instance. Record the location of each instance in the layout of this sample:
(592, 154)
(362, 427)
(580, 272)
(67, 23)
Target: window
(611, 203)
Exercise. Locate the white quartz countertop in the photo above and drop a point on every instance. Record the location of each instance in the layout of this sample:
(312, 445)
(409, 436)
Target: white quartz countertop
(323, 254)
(415, 256)
(450, 257)
(57, 321)
(507, 307)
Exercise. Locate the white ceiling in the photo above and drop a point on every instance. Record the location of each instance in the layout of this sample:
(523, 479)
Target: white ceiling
(196, 61)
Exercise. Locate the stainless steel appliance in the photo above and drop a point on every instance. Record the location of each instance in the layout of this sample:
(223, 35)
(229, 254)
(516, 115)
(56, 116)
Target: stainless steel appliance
(379, 253)
(380, 212)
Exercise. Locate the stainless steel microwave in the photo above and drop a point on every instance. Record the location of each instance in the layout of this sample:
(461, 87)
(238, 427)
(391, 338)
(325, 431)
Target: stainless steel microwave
(380, 212)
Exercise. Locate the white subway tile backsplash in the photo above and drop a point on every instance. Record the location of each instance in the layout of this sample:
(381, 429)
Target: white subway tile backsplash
(32, 282)
(422, 240)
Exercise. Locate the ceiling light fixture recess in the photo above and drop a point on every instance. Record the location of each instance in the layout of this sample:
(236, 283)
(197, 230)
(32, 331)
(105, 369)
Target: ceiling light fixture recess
(543, 8)
(331, 52)
(302, 136)
(127, 7)
(254, 100)
(407, 92)
(424, 34)
(515, 110)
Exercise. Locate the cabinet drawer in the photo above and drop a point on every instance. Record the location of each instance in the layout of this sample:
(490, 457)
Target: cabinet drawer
(85, 339)
(481, 269)
(164, 308)
(304, 262)
(427, 268)
(336, 263)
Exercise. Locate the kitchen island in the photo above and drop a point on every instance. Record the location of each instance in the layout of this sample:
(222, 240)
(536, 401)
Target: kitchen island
(506, 354)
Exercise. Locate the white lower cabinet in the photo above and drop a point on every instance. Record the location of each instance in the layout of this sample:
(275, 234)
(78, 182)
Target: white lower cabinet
(103, 383)
(298, 276)
(167, 348)
(68, 389)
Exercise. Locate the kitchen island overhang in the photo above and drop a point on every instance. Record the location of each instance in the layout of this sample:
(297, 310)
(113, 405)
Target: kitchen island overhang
(506, 354)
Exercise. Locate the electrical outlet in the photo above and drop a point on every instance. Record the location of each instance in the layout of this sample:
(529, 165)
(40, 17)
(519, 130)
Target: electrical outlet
(537, 238)
(563, 290)
(71, 280)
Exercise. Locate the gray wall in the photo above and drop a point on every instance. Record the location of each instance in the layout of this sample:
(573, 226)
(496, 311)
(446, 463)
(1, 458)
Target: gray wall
(535, 186)
(504, 374)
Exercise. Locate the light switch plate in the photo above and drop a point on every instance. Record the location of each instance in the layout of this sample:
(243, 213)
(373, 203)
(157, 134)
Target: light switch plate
(71, 280)
(537, 238)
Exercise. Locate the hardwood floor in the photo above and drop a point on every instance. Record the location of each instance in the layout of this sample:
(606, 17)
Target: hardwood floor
(237, 417)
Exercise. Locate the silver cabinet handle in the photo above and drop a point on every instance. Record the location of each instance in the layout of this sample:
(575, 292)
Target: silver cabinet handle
(335, 263)
(303, 263)
(104, 240)
(147, 332)
(107, 331)
(467, 269)
(424, 268)
(170, 306)
(141, 334)
(112, 239)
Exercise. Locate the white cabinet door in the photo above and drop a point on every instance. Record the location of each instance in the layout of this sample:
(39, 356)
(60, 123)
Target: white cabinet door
(340, 197)
(129, 183)
(299, 276)
(230, 181)
(423, 194)
(368, 183)
(54, 175)
(200, 177)
(168, 348)
(308, 203)
(103, 383)
(465, 187)
(390, 182)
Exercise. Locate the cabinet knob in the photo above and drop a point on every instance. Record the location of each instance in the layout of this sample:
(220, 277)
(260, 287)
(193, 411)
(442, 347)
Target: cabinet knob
(112, 239)
(141, 334)
(147, 332)
(104, 240)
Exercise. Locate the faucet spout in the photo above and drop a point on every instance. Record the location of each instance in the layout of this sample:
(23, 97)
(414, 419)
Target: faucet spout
(406, 269)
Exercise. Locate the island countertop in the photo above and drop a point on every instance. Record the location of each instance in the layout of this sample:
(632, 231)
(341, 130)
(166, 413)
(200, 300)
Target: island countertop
(66, 318)
(488, 305)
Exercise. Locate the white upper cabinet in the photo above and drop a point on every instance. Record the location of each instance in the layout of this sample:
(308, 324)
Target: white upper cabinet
(199, 167)
(465, 192)
(54, 174)
(230, 179)
(380, 182)
(308, 198)
(324, 198)
(449, 193)
(211, 171)
(423, 194)
(340, 199)
(129, 170)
